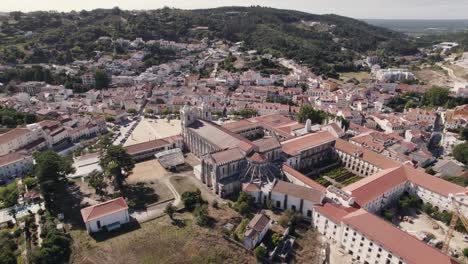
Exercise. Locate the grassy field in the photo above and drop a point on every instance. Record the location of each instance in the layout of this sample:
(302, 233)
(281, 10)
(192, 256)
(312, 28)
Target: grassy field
(345, 76)
(160, 241)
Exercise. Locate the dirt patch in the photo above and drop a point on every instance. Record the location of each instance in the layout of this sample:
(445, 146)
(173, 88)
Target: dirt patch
(433, 77)
(183, 184)
(147, 171)
(307, 245)
(159, 241)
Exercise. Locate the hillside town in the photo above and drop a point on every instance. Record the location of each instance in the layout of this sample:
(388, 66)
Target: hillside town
(367, 164)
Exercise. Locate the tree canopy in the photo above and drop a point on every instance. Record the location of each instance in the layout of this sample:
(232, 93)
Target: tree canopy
(51, 170)
(308, 112)
(117, 165)
(460, 152)
(64, 37)
(436, 96)
(101, 79)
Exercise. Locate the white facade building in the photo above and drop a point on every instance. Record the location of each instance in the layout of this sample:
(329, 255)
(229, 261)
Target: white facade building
(105, 216)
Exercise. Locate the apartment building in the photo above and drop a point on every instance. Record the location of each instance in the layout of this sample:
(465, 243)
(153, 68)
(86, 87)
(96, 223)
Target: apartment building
(16, 139)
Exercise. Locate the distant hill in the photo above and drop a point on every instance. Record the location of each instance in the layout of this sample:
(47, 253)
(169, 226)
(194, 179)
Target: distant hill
(325, 41)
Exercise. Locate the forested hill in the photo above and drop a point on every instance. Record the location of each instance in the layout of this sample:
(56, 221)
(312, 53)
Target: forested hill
(315, 39)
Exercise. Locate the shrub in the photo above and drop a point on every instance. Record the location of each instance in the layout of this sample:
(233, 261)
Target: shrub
(170, 210)
(276, 239)
(192, 199)
(214, 204)
(244, 203)
(289, 217)
(31, 182)
(201, 215)
(260, 252)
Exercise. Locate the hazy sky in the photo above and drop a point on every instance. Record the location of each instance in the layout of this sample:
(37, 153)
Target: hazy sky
(398, 9)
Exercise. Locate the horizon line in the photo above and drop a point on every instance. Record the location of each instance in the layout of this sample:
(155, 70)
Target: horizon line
(191, 9)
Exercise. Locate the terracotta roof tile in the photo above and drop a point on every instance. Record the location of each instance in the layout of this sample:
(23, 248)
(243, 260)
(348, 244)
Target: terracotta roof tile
(294, 146)
(304, 179)
(365, 154)
(103, 209)
(405, 246)
(298, 191)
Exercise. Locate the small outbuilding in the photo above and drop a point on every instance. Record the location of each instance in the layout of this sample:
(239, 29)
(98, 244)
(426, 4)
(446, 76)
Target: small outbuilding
(256, 230)
(107, 216)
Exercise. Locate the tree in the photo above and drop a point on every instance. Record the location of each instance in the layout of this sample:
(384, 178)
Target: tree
(105, 141)
(428, 208)
(8, 121)
(460, 153)
(30, 182)
(308, 112)
(192, 199)
(8, 195)
(465, 252)
(149, 111)
(55, 247)
(117, 165)
(170, 210)
(110, 119)
(464, 133)
(201, 215)
(260, 253)
(248, 113)
(244, 203)
(101, 79)
(132, 111)
(287, 218)
(430, 170)
(96, 180)
(276, 239)
(388, 215)
(51, 170)
(436, 96)
(7, 248)
(165, 111)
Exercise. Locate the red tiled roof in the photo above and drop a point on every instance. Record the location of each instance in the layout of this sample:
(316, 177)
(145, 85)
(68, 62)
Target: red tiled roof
(432, 183)
(256, 157)
(334, 212)
(371, 187)
(302, 178)
(298, 191)
(12, 134)
(228, 155)
(294, 146)
(14, 157)
(103, 209)
(405, 246)
(250, 187)
(365, 154)
(146, 146)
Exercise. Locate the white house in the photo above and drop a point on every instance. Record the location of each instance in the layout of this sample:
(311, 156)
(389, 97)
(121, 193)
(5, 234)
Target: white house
(107, 216)
(256, 230)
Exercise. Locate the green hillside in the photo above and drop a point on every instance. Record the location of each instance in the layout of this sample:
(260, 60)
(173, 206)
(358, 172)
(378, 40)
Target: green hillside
(64, 37)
